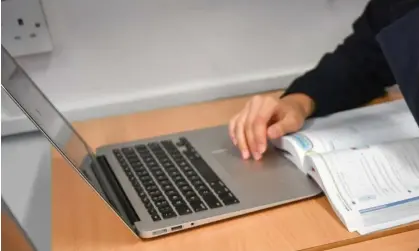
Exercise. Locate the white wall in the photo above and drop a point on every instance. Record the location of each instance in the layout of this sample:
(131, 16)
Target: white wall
(113, 57)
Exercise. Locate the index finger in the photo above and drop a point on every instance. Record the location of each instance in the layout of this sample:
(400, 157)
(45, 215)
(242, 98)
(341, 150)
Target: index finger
(260, 125)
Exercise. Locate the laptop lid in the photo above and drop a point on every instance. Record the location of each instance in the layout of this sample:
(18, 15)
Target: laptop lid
(13, 236)
(61, 134)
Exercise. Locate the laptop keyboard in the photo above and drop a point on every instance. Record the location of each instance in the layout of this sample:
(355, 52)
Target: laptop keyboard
(172, 179)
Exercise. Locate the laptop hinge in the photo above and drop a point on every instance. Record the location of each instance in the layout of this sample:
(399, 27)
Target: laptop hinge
(116, 196)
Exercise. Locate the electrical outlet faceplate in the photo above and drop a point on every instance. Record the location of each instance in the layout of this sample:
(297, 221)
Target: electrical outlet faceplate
(24, 28)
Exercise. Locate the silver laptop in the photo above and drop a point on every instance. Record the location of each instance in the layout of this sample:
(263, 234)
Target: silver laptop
(169, 183)
(13, 236)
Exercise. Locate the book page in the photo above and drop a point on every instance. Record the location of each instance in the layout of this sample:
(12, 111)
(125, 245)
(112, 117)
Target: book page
(355, 128)
(379, 129)
(380, 183)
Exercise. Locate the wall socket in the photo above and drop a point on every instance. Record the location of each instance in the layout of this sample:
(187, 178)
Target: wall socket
(24, 28)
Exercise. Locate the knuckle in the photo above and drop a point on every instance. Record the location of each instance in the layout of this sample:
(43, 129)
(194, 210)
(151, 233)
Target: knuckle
(271, 100)
(255, 99)
(260, 119)
(294, 120)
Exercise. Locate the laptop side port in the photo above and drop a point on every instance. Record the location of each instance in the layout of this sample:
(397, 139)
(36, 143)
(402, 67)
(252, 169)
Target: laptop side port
(177, 228)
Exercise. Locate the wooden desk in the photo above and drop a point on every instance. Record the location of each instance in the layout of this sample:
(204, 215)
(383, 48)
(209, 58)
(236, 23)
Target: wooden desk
(407, 241)
(81, 221)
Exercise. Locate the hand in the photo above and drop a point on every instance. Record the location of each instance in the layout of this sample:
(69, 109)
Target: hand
(267, 117)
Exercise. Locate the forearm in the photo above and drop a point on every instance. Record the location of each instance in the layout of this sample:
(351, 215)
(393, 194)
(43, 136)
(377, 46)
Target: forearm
(355, 73)
(338, 84)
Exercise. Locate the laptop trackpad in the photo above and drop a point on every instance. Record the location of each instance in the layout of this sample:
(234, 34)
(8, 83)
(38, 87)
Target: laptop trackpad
(231, 160)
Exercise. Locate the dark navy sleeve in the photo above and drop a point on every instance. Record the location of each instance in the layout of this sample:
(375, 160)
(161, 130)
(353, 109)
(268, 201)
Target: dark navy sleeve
(400, 44)
(357, 71)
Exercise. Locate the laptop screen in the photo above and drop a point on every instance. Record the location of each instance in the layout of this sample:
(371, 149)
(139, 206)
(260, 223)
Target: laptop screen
(38, 108)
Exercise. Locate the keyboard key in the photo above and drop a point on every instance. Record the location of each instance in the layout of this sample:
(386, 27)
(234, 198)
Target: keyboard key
(183, 210)
(155, 217)
(165, 209)
(174, 173)
(185, 188)
(228, 198)
(145, 178)
(168, 165)
(141, 193)
(161, 178)
(149, 206)
(159, 172)
(197, 182)
(201, 187)
(142, 173)
(168, 188)
(167, 212)
(168, 215)
(190, 173)
(154, 167)
(212, 201)
(165, 182)
(174, 197)
(193, 198)
(151, 188)
(177, 178)
(206, 172)
(158, 198)
(132, 178)
(204, 192)
(178, 202)
(148, 183)
(162, 203)
(171, 192)
(155, 193)
(138, 169)
(198, 207)
(220, 190)
(182, 183)
(145, 200)
(189, 193)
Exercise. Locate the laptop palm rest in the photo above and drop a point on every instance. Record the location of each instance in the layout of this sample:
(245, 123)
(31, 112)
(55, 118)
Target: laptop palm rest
(232, 162)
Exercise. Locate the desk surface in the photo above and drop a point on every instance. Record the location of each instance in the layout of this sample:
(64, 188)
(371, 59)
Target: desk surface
(81, 221)
(407, 241)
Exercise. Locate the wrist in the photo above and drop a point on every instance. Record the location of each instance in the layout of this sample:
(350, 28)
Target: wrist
(302, 101)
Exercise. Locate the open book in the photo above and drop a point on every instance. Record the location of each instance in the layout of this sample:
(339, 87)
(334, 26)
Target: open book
(366, 160)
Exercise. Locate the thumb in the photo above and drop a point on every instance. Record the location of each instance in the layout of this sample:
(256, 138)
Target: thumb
(287, 125)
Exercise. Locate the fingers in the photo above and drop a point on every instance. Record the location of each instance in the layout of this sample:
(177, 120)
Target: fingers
(260, 123)
(232, 127)
(239, 132)
(248, 129)
(253, 113)
(284, 126)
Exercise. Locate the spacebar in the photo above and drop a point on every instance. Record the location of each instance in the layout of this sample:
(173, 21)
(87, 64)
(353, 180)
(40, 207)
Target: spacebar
(202, 167)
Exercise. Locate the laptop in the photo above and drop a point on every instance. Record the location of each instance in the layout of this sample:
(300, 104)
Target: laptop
(13, 236)
(169, 183)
